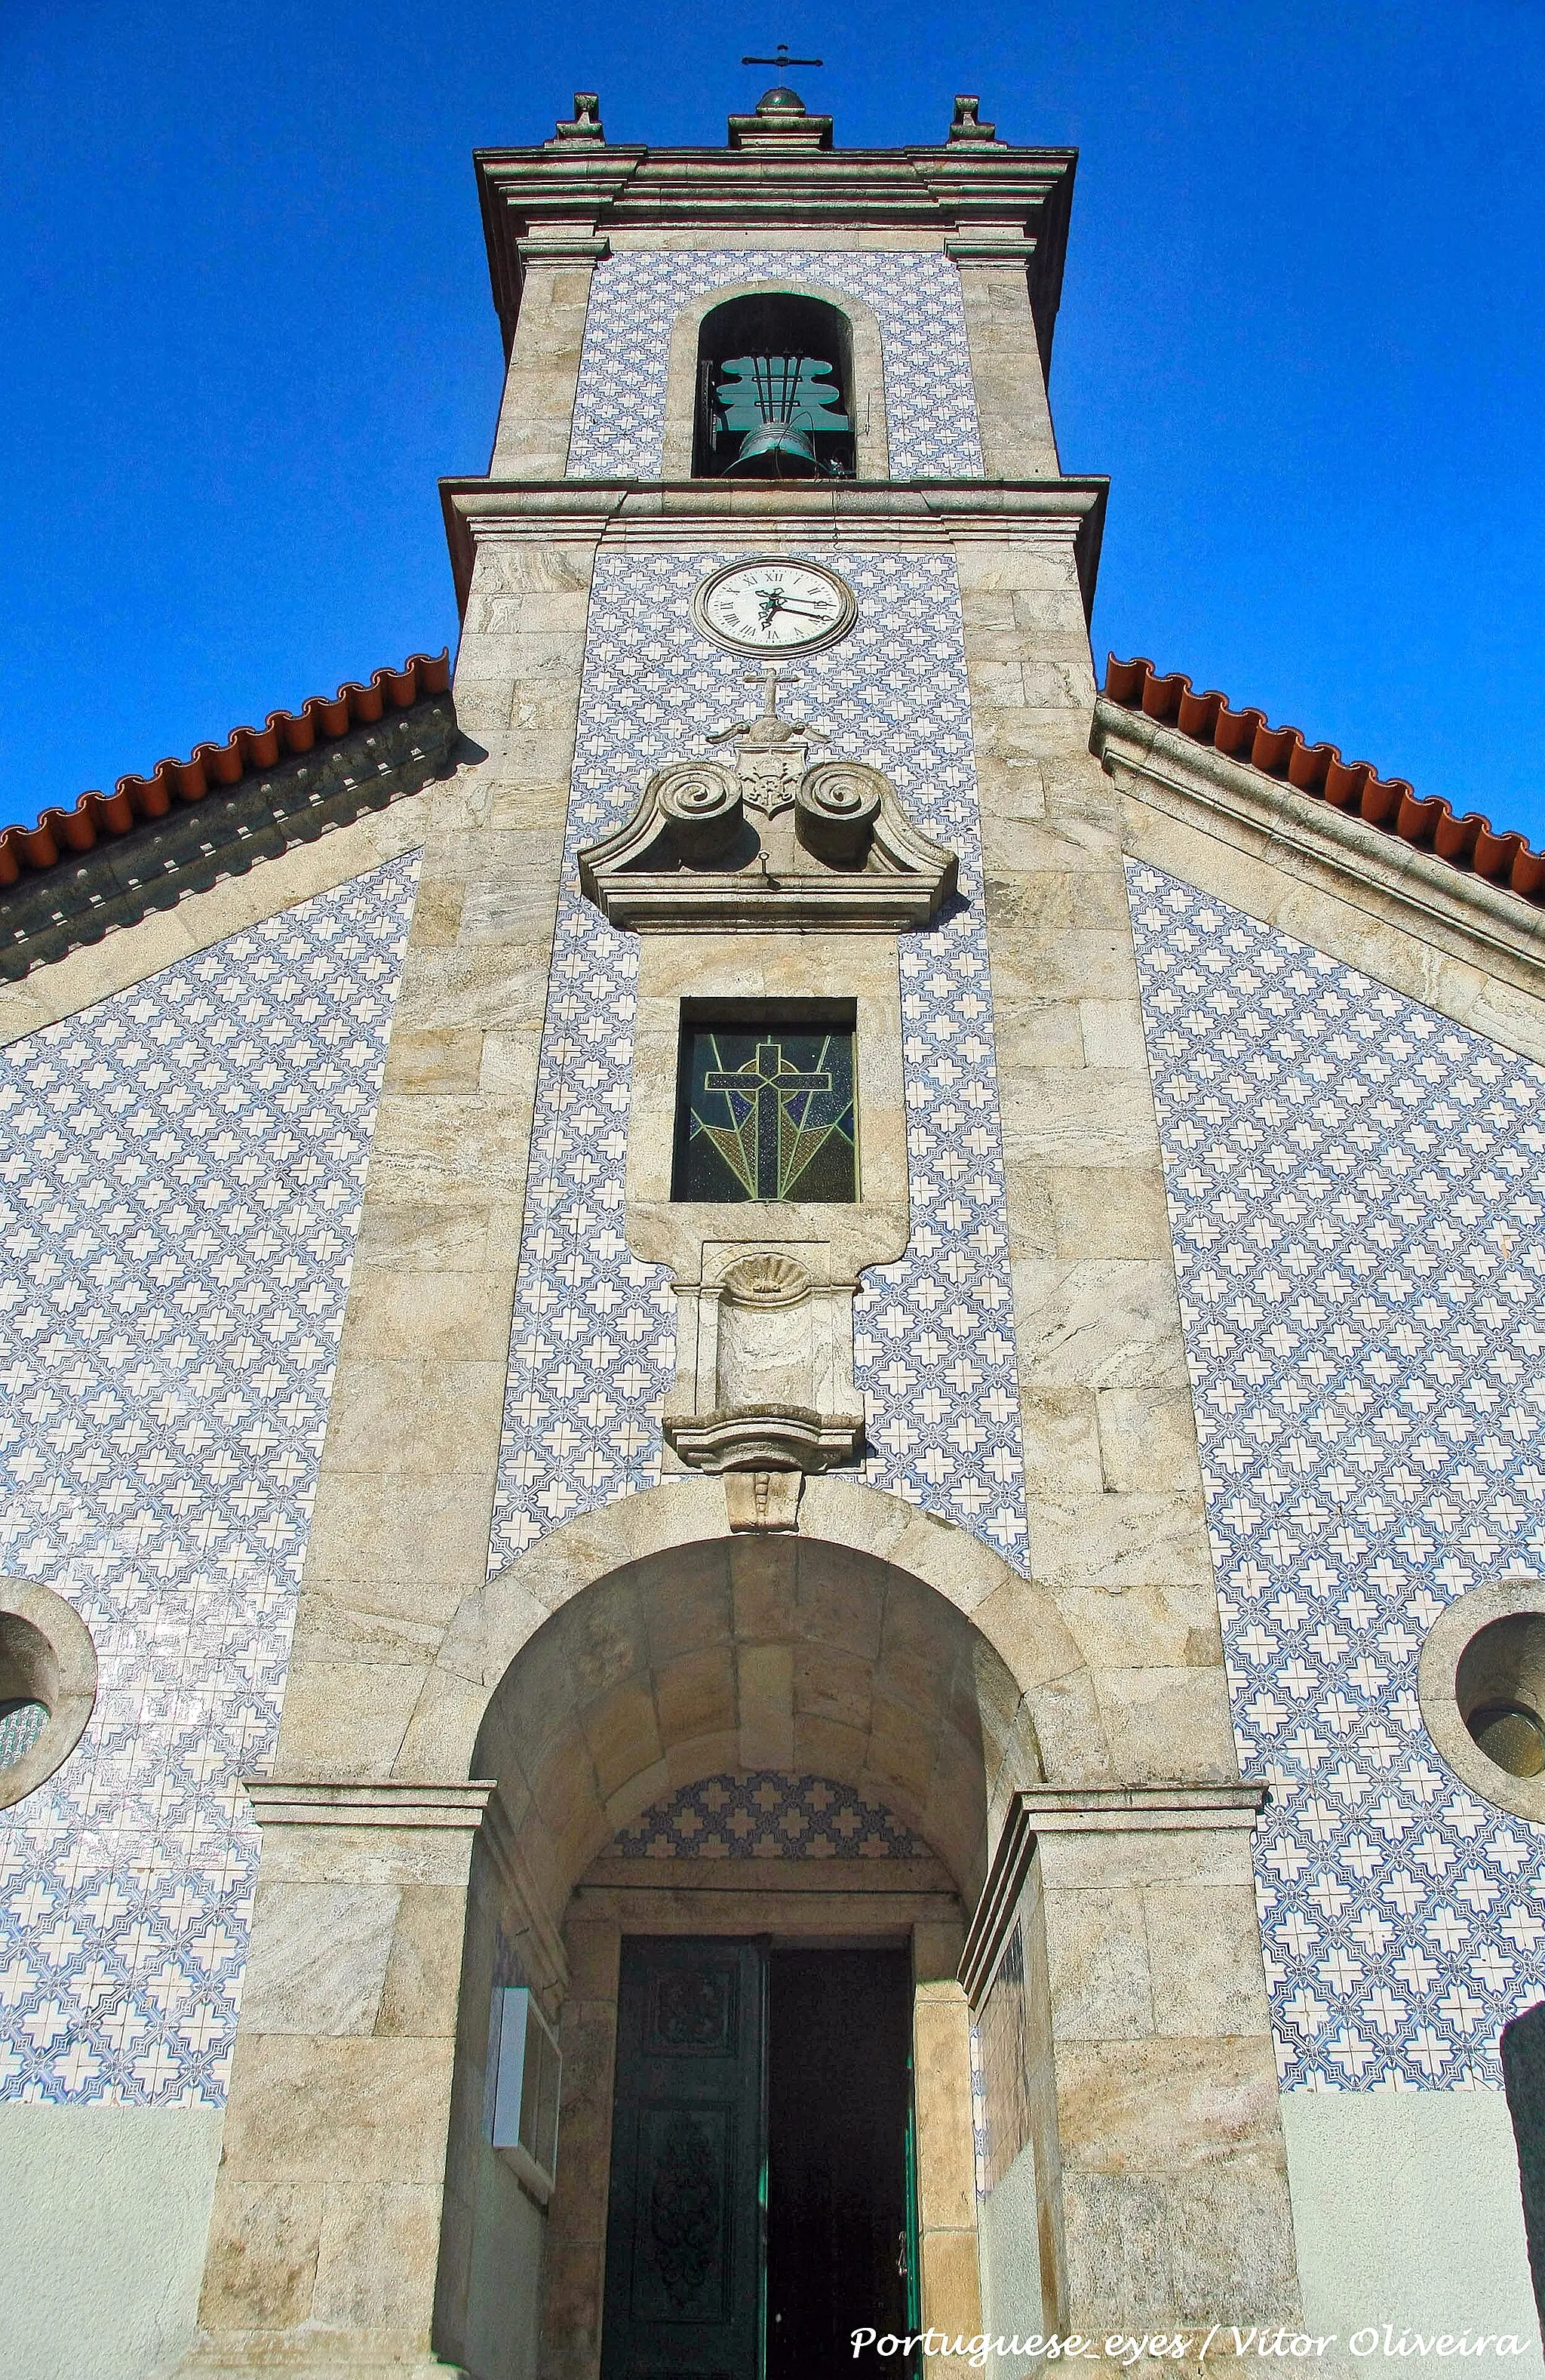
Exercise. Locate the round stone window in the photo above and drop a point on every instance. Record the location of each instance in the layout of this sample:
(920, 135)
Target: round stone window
(1481, 1686)
(48, 1683)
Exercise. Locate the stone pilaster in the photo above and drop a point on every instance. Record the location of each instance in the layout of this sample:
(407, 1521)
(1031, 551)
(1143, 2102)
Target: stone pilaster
(1112, 1483)
(400, 1532)
(1146, 1989)
(326, 2233)
(952, 2289)
(537, 413)
(573, 2283)
(1006, 367)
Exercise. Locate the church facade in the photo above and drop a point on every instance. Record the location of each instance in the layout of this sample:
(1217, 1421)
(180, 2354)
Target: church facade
(775, 1549)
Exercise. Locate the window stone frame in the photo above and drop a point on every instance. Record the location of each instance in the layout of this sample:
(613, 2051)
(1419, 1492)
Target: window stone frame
(47, 1655)
(1437, 1677)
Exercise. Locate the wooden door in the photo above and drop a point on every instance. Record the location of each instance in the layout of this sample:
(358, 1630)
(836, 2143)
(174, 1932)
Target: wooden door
(685, 2259)
(840, 2245)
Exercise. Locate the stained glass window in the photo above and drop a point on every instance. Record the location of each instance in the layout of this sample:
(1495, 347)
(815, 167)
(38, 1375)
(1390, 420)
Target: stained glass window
(766, 1112)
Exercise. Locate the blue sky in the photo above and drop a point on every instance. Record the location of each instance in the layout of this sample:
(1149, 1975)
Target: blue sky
(248, 325)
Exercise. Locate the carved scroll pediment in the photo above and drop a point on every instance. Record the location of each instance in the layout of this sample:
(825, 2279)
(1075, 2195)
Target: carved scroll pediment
(695, 856)
(766, 841)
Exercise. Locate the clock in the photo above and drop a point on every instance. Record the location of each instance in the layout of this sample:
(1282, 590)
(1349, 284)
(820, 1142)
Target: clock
(774, 607)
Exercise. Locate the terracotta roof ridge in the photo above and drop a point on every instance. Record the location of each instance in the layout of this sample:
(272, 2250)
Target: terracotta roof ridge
(1318, 769)
(59, 834)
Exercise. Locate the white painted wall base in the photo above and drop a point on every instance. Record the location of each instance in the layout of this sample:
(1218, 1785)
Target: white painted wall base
(1406, 2211)
(102, 2218)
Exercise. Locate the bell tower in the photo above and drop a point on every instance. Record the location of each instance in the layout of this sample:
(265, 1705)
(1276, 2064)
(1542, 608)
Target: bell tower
(763, 1370)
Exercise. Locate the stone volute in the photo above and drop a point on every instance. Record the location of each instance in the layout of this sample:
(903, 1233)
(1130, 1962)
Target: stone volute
(764, 841)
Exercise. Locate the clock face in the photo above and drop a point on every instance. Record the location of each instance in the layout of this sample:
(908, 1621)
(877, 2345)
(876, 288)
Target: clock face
(774, 607)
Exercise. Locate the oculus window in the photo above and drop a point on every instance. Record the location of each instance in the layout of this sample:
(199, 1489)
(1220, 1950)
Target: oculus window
(765, 1108)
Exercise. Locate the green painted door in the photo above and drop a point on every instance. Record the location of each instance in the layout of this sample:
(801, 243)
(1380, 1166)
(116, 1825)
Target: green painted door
(684, 2246)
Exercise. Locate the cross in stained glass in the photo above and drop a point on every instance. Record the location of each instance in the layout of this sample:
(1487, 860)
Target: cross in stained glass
(767, 1114)
(767, 1082)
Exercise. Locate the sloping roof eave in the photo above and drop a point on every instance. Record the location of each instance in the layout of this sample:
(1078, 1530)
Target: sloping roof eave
(1428, 823)
(62, 834)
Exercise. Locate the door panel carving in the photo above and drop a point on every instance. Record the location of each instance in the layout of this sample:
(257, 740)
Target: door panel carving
(684, 2248)
(687, 2165)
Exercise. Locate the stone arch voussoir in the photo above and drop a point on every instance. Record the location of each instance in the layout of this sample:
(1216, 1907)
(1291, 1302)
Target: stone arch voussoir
(640, 1647)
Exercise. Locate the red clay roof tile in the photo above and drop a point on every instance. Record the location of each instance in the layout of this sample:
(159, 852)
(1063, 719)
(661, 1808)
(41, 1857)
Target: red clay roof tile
(1318, 769)
(211, 766)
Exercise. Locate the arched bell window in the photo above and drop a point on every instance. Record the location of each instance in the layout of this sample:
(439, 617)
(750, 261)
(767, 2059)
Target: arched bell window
(774, 390)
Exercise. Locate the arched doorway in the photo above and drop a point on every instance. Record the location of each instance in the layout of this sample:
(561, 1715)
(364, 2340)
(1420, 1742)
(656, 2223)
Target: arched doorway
(628, 1654)
(753, 1769)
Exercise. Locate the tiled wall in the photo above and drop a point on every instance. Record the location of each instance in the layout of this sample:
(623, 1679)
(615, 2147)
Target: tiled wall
(1357, 1194)
(178, 1198)
(592, 1348)
(619, 421)
(761, 1814)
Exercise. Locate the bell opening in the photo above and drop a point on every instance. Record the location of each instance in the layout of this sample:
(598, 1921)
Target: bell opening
(774, 391)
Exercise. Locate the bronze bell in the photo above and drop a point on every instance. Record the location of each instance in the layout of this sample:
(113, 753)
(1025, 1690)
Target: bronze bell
(790, 452)
(777, 406)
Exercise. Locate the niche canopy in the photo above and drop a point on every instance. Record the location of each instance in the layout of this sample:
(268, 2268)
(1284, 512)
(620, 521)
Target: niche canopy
(774, 390)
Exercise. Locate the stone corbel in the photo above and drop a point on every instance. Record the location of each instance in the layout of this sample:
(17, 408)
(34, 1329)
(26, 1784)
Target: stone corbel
(764, 1370)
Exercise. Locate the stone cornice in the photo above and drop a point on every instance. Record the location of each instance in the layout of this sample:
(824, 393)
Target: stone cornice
(804, 1877)
(578, 189)
(1393, 880)
(676, 513)
(1088, 1810)
(1134, 1809)
(558, 247)
(397, 1805)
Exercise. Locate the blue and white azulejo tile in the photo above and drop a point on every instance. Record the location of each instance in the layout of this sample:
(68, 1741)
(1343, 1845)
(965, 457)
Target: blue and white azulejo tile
(179, 1192)
(619, 418)
(593, 1344)
(1356, 1191)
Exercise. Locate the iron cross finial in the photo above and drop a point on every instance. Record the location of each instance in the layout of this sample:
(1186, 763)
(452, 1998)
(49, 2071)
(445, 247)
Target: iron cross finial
(784, 59)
